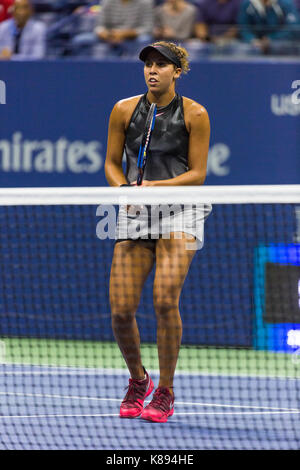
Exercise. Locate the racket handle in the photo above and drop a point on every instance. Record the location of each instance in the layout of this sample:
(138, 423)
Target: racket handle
(139, 179)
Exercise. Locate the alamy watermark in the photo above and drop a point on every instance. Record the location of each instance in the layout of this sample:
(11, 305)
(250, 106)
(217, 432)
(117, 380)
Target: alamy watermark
(178, 221)
(2, 92)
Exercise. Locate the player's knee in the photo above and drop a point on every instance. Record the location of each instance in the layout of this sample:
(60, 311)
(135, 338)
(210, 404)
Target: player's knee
(165, 305)
(123, 312)
(121, 319)
(123, 303)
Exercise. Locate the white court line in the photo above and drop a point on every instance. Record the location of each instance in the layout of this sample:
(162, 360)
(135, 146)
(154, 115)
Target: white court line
(60, 416)
(219, 405)
(66, 397)
(99, 415)
(241, 414)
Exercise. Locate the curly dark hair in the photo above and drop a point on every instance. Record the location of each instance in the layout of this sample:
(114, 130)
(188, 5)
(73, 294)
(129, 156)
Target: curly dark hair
(179, 51)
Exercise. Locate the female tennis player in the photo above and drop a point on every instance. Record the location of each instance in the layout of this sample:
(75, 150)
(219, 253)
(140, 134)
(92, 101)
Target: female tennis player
(177, 156)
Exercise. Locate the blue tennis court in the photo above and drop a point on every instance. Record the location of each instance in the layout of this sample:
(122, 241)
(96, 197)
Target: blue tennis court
(77, 408)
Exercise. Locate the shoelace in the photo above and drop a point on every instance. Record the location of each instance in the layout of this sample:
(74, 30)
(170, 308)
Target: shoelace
(161, 399)
(136, 391)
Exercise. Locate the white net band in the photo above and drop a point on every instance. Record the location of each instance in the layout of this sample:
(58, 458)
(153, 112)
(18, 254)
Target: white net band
(263, 194)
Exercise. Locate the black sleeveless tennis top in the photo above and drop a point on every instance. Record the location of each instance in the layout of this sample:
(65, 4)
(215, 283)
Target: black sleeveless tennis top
(168, 152)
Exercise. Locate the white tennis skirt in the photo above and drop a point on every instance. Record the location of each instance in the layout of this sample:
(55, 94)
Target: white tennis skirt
(154, 222)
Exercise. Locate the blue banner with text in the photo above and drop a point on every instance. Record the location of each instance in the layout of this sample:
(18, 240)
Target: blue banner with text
(54, 119)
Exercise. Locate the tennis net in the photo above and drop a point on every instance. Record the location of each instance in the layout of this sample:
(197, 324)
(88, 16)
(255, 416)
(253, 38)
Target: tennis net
(62, 376)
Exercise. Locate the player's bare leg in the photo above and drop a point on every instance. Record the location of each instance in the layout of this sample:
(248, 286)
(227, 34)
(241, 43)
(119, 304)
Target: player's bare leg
(172, 264)
(131, 265)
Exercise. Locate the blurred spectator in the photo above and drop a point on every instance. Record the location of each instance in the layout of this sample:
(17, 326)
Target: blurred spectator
(21, 37)
(216, 21)
(6, 8)
(124, 19)
(121, 25)
(174, 19)
(270, 26)
(297, 4)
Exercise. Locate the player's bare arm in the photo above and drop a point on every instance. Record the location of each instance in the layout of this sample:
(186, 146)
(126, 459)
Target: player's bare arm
(198, 125)
(118, 123)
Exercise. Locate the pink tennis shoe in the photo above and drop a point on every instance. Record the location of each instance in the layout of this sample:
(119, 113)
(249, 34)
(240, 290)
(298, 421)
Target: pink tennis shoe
(161, 406)
(138, 390)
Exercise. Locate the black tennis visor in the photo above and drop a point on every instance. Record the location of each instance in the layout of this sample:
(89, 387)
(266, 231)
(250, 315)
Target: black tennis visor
(163, 50)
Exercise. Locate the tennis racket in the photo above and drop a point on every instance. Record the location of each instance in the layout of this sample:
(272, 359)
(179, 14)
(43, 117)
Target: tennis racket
(142, 157)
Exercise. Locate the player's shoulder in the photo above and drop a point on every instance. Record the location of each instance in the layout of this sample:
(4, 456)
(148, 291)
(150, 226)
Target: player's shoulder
(123, 109)
(193, 108)
(127, 103)
(195, 115)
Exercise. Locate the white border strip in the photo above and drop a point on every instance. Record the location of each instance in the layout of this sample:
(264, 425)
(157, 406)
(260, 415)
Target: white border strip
(263, 194)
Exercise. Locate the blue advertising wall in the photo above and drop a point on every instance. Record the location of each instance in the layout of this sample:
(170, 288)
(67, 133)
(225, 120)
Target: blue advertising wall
(53, 125)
